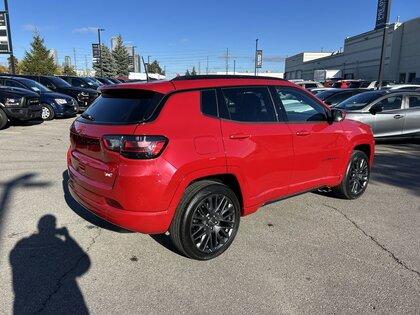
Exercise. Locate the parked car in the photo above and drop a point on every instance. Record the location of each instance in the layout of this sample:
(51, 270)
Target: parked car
(138, 161)
(116, 81)
(83, 96)
(402, 87)
(17, 104)
(105, 81)
(315, 91)
(334, 96)
(389, 113)
(309, 84)
(53, 104)
(343, 84)
(370, 85)
(83, 82)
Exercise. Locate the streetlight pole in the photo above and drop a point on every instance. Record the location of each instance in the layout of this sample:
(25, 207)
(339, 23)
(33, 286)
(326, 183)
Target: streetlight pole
(383, 47)
(100, 49)
(12, 58)
(256, 49)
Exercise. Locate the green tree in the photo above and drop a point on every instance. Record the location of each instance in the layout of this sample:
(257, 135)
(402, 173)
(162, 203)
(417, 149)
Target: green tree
(193, 72)
(154, 67)
(68, 70)
(120, 56)
(187, 73)
(108, 63)
(15, 61)
(38, 59)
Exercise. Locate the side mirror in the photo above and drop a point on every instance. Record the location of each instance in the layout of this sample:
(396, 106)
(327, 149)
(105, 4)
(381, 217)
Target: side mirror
(377, 108)
(337, 115)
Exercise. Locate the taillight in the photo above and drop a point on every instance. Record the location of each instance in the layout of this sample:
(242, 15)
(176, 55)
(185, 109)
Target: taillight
(135, 147)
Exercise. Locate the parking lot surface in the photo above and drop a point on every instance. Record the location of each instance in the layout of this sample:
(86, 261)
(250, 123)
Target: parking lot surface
(311, 254)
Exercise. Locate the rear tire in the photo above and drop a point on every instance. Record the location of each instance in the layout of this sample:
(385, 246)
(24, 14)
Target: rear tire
(47, 112)
(356, 178)
(206, 220)
(3, 119)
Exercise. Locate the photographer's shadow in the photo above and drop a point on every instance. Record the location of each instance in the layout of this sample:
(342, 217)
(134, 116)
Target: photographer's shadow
(45, 267)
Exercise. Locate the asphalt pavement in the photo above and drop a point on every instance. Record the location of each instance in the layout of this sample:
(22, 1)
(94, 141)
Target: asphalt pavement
(311, 254)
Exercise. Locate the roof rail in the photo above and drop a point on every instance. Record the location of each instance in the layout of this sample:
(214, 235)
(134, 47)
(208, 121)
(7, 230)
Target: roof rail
(223, 76)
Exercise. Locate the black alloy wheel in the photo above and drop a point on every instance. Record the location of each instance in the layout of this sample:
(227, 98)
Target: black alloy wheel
(357, 176)
(206, 220)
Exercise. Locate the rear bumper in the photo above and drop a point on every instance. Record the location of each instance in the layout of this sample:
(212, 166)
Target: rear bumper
(143, 222)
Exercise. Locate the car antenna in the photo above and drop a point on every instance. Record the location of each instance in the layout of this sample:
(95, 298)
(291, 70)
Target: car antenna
(145, 69)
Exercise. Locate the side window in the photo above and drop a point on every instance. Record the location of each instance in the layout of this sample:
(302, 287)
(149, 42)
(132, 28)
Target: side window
(414, 101)
(300, 107)
(46, 82)
(77, 82)
(249, 104)
(391, 103)
(14, 84)
(209, 102)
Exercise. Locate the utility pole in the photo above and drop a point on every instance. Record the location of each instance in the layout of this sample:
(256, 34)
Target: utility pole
(383, 49)
(9, 34)
(100, 49)
(227, 61)
(234, 67)
(199, 68)
(86, 71)
(207, 67)
(75, 62)
(256, 49)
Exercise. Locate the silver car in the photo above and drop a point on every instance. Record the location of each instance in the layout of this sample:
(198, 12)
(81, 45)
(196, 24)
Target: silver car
(389, 113)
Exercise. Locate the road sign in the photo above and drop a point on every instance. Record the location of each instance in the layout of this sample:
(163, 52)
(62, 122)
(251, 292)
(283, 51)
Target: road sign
(4, 38)
(382, 16)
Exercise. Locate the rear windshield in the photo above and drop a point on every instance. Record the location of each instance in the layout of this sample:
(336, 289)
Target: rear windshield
(121, 107)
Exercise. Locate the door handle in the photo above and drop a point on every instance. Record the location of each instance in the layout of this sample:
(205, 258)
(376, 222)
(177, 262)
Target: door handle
(303, 133)
(398, 116)
(239, 136)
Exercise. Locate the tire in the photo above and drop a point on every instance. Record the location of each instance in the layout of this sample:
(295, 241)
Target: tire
(47, 112)
(3, 119)
(356, 178)
(206, 220)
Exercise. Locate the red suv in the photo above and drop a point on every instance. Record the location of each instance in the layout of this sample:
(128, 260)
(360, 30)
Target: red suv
(192, 155)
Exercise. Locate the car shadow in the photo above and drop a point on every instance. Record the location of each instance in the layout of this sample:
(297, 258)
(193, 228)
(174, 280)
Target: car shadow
(86, 214)
(165, 241)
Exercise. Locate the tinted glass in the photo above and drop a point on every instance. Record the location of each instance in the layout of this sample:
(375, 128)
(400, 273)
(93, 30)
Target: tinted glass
(209, 102)
(122, 107)
(58, 82)
(340, 97)
(325, 94)
(77, 82)
(249, 104)
(391, 103)
(13, 83)
(359, 101)
(35, 86)
(300, 107)
(414, 101)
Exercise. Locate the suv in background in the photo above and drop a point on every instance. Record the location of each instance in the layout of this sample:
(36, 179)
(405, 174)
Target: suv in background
(83, 82)
(310, 84)
(52, 104)
(83, 96)
(194, 154)
(17, 104)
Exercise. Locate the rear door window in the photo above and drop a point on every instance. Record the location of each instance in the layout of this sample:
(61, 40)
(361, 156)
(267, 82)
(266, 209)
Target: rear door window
(122, 107)
(209, 102)
(249, 104)
(414, 101)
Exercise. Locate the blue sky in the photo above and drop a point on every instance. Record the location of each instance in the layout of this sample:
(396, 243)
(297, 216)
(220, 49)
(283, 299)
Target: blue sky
(183, 34)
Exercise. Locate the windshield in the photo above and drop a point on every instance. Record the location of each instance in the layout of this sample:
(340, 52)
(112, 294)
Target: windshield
(59, 82)
(35, 86)
(325, 94)
(359, 101)
(91, 82)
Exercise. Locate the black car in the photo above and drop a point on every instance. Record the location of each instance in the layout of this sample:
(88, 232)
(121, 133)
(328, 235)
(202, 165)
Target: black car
(53, 104)
(83, 96)
(83, 82)
(105, 81)
(332, 97)
(17, 104)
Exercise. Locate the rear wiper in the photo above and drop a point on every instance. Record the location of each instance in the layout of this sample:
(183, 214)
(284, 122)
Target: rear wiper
(87, 116)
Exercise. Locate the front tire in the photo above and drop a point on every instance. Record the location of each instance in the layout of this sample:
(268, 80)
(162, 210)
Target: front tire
(47, 112)
(356, 178)
(3, 119)
(206, 220)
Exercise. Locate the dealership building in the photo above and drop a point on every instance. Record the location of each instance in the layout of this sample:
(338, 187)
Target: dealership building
(360, 58)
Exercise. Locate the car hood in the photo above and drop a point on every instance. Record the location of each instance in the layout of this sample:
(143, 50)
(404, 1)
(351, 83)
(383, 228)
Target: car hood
(78, 89)
(55, 95)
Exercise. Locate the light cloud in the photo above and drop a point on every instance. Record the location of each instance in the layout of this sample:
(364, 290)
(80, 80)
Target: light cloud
(31, 28)
(86, 29)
